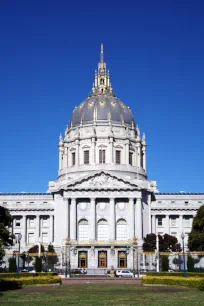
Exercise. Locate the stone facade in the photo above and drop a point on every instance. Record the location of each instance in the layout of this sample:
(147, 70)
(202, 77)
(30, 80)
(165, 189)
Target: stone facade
(102, 197)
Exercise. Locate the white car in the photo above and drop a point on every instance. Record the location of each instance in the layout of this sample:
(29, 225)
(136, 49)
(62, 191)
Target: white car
(124, 273)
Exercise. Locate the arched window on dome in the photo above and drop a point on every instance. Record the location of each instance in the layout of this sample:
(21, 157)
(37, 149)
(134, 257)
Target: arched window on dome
(121, 230)
(83, 230)
(102, 230)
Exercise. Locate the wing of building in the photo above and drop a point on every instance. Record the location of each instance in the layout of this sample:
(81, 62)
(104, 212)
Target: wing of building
(102, 197)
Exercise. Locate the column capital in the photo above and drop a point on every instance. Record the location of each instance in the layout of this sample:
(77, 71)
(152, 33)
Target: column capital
(73, 200)
(111, 200)
(92, 199)
(131, 199)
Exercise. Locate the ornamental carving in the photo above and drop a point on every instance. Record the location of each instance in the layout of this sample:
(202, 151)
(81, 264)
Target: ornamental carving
(103, 181)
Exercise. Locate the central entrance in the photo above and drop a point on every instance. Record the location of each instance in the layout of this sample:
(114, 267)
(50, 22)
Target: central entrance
(102, 259)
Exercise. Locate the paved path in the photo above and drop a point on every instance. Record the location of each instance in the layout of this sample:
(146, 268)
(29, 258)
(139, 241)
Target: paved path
(97, 280)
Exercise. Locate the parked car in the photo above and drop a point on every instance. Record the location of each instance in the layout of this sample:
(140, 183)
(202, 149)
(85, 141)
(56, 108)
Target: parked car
(25, 270)
(83, 271)
(124, 273)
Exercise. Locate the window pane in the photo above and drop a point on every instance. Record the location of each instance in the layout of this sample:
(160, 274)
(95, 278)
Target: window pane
(102, 156)
(159, 221)
(118, 157)
(102, 230)
(83, 230)
(121, 230)
(73, 159)
(130, 158)
(86, 157)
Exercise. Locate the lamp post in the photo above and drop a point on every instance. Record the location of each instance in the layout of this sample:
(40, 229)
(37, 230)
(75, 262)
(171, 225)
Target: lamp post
(27, 256)
(67, 247)
(19, 249)
(184, 261)
(134, 245)
(157, 249)
(45, 258)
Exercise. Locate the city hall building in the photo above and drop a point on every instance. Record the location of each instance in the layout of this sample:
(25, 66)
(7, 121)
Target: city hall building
(102, 197)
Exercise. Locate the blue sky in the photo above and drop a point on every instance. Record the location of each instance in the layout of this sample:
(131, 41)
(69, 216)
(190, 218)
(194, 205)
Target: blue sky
(48, 53)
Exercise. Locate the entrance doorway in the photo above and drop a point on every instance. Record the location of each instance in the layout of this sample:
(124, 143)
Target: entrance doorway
(102, 259)
(122, 259)
(83, 259)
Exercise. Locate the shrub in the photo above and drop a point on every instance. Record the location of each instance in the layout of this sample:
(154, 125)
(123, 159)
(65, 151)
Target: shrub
(10, 284)
(12, 264)
(201, 285)
(190, 264)
(165, 263)
(27, 274)
(38, 264)
(13, 283)
(170, 280)
(175, 274)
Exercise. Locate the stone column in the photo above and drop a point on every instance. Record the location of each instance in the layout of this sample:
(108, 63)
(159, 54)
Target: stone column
(131, 218)
(138, 155)
(93, 219)
(65, 158)
(51, 228)
(24, 229)
(167, 224)
(181, 229)
(37, 229)
(77, 159)
(93, 151)
(153, 224)
(73, 219)
(138, 220)
(111, 150)
(144, 157)
(127, 153)
(111, 219)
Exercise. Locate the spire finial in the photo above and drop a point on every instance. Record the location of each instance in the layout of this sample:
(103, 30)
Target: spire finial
(101, 55)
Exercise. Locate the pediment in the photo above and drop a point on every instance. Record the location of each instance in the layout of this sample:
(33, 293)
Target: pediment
(101, 180)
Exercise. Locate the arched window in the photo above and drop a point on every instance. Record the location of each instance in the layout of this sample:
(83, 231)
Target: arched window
(83, 230)
(102, 230)
(121, 230)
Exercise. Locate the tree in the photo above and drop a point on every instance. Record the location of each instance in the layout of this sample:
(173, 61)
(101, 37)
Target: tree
(165, 263)
(12, 264)
(38, 264)
(196, 236)
(167, 243)
(190, 264)
(6, 238)
(52, 257)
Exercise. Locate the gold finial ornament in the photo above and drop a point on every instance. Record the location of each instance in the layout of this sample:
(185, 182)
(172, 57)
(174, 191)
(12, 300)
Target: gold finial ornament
(134, 241)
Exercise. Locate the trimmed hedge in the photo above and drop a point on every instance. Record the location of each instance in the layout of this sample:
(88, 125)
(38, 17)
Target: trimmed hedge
(28, 274)
(175, 274)
(14, 283)
(10, 284)
(170, 280)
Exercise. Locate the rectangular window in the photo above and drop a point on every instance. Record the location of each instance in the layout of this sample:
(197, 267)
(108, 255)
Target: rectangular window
(130, 158)
(31, 222)
(159, 221)
(44, 222)
(31, 238)
(73, 158)
(186, 203)
(102, 156)
(118, 157)
(187, 221)
(18, 222)
(173, 222)
(45, 237)
(86, 157)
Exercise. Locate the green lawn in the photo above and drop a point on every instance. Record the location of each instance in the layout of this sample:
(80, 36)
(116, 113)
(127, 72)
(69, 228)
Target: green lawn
(102, 295)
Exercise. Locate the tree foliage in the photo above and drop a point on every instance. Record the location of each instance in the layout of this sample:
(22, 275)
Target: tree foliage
(165, 263)
(12, 264)
(190, 264)
(196, 236)
(38, 264)
(167, 243)
(34, 249)
(52, 257)
(6, 238)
